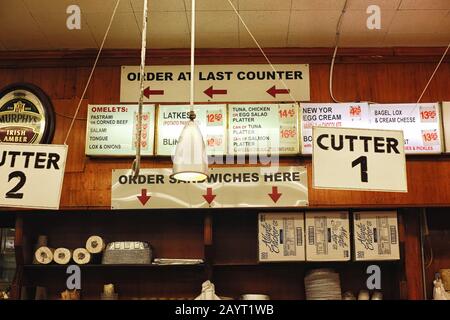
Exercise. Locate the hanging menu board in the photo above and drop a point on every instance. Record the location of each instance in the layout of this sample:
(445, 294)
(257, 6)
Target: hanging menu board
(446, 122)
(211, 119)
(347, 115)
(111, 130)
(263, 129)
(420, 124)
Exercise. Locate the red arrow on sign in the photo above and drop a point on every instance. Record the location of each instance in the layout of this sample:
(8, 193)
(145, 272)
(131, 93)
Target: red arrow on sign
(148, 92)
(210, 92)
(274, 91)
(143, 198)
(209, 197)
(275, 195)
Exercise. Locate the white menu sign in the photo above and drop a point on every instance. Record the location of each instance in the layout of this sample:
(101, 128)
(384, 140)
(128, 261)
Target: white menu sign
(31, 175)
(263, 129)
(420, 124)
(217, 83)
(446, 121)
(211, 119)
(347, 115)
(237, 187)
(111, 130)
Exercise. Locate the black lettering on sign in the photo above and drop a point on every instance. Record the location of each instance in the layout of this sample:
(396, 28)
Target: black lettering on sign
(349, 142)
(12, 194)
(363, 162)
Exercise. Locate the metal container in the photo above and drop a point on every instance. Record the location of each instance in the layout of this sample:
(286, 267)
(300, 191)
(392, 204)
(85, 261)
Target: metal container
(127, 252)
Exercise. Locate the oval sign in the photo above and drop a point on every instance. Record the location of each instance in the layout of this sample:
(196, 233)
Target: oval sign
(26, 115)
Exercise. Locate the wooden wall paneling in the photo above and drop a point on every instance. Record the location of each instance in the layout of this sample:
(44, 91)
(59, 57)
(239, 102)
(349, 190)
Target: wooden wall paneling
(380, 82)
(65, 110)
(20, 259)
(412, 254)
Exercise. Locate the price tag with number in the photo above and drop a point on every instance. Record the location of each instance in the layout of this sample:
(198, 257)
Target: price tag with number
(430, 137)
(428, 114)
(214, 118)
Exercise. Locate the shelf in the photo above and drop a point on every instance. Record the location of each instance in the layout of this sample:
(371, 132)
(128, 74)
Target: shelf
(306, 263)
(93, 266)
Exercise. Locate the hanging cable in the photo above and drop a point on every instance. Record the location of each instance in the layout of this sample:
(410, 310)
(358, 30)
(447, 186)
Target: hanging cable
(260, 48)
(92, 72)
(434, 72)
(136, 166)
(336, 45)
(192, 82)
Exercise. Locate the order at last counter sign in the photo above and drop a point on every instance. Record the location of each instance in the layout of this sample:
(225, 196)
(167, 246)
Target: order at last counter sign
(31, 176)
(359, 159)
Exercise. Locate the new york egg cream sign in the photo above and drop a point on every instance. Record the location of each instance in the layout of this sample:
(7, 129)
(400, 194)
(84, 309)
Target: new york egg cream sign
(359, 159)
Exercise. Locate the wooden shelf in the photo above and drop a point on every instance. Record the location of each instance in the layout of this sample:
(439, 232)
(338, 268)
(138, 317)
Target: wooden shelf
(93, 266)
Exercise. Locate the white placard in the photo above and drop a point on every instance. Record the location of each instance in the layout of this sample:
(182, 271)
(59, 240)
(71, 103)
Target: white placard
(226, 188)
(281, 237)
(111, 130)
(446, 122)
(31, 175)
(420, 124)
(263, 129)
(347, 115)
(359, 159)
(327, 236)
(218, 83)
(375, 236)
(211, 119)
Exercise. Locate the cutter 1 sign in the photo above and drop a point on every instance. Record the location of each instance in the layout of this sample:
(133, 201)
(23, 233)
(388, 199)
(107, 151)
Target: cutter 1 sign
(359, 159)
(31, 176)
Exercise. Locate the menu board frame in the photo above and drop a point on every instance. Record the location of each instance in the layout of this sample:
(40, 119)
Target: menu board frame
(339, 104)
(112, 154)
(157, 128)
(439, 122)
(256, 153)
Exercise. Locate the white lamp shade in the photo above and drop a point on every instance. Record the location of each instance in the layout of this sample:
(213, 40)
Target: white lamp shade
(190, 162)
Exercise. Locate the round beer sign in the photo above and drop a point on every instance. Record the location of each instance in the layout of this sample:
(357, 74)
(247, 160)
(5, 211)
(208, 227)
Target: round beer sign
(26, 115)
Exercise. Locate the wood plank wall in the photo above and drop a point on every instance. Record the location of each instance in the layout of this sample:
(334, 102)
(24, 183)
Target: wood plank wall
(379, 75)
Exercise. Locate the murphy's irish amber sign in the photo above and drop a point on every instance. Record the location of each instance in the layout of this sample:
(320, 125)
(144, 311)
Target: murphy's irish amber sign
(26, 115)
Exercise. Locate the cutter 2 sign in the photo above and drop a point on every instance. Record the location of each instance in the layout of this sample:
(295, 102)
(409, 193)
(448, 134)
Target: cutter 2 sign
(31, 176)
(359, 159)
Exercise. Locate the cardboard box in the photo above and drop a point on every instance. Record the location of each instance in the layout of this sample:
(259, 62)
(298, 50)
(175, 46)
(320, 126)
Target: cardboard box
(328, 236)
(281, 237)
(375, 236)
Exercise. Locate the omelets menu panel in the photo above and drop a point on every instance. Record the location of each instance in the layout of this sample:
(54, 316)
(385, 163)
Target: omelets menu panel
(263, 129)
(420, 124)
(111, 130)
(347, 115)
(211, 119)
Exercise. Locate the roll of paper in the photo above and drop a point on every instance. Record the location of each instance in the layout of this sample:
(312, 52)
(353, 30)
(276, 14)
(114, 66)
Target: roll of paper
(62, 255)
(44, 255)
(81, 256)
(95, 244)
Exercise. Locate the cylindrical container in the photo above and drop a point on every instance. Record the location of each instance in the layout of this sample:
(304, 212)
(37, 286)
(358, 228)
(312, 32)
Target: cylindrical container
(43, 255)
(81, 256)
(255, 296)
(62, 256)
(42, 241)
(445, 276)
(95, 244)
(363, 295)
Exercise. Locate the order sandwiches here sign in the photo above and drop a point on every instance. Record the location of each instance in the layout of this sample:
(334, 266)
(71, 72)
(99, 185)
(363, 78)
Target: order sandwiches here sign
(359, 159)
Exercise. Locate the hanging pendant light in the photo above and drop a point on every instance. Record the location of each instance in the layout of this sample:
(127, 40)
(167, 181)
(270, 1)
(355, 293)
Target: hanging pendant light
(190, 162)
